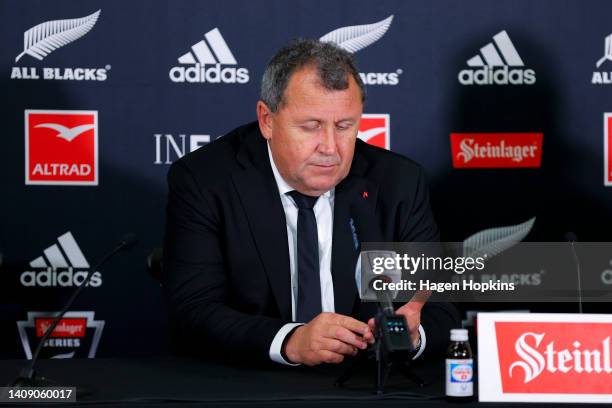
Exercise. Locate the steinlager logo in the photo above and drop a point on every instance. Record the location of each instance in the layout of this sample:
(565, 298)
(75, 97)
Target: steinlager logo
(77, 334)
(471, 149)
(548, 356)
(496, 150)
(535, 359)
(545, 357)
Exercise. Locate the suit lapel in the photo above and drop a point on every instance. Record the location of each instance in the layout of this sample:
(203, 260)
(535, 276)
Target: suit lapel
(344, 254)
(264, 212)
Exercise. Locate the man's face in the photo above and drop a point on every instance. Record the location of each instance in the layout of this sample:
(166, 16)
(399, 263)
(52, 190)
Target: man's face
(312, 134)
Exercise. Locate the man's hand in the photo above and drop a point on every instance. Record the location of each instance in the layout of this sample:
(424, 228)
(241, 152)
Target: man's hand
(327, 338)
(412, 312)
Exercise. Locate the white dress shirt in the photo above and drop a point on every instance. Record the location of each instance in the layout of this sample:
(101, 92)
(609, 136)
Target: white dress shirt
(324, 214)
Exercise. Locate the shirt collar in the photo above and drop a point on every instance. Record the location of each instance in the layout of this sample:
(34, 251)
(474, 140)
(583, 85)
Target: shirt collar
(283, 186)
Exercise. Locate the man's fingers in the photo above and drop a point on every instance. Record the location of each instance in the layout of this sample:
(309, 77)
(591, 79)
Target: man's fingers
(337, 346)
(346, 336)
(327, 356)
(353, 325)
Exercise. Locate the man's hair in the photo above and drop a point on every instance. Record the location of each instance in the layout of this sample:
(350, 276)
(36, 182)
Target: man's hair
(334, 65)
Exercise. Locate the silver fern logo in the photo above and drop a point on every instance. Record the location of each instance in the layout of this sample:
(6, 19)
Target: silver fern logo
(45, 38)
(357, 37)
(494, 241)
(604, 77)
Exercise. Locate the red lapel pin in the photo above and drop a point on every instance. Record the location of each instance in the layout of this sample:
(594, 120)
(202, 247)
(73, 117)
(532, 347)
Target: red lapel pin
(364, 194)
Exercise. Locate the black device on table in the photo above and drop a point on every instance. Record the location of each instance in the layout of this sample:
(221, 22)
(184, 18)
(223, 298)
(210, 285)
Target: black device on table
(392, 347)
(394, 335)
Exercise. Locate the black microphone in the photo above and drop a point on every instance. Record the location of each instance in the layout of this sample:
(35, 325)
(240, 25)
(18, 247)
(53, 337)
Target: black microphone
(572, 239)
(384, 297)
(392, 336)
(365, 228)
(27, 376)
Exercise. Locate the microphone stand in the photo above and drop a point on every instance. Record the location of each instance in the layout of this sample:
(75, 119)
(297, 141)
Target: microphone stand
(391, 348)
(27, 376)
(571, 238)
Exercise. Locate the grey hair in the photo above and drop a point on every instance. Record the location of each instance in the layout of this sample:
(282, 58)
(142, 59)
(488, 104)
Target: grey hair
(334, 65)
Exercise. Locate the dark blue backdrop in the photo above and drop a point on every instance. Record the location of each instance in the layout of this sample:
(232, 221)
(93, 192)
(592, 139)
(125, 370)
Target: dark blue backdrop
(427, 44)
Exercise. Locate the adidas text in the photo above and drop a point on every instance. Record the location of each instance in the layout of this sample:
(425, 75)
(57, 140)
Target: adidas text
(209, 74)
(50, 277)
(497, 76)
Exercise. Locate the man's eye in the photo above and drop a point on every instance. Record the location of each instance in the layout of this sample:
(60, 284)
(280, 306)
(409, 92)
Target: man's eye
(311, 127)
(344, 126)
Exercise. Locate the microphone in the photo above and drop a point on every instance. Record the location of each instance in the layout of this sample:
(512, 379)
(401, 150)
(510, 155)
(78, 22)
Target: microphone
(384, 297)
(572, 239)
(155, 263)
(392, 335)
(127, 242)
(27, 376)
(365, 228)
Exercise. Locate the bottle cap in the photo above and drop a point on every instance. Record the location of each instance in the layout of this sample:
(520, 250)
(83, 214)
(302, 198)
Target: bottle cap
(459, 335)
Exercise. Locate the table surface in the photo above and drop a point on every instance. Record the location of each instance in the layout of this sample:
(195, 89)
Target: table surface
(173, 381)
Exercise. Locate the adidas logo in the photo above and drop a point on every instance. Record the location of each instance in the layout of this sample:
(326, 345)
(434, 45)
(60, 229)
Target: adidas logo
(491, 66)
(62, 264)
(206, 58)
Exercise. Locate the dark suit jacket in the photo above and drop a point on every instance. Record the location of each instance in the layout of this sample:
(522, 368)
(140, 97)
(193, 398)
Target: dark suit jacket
(226, 274)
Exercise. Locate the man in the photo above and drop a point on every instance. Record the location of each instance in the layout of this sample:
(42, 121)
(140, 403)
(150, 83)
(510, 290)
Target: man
(259, 257)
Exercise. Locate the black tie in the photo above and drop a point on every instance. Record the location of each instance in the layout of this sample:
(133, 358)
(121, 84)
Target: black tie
(309, 281)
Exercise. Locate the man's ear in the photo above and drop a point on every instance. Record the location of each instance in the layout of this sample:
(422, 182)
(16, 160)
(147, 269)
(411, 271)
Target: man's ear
(264, 117)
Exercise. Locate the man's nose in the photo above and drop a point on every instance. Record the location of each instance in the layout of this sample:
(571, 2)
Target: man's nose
(327, 144)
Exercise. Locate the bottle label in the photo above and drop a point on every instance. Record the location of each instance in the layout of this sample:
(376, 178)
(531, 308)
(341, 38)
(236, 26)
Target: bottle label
(459, 377)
